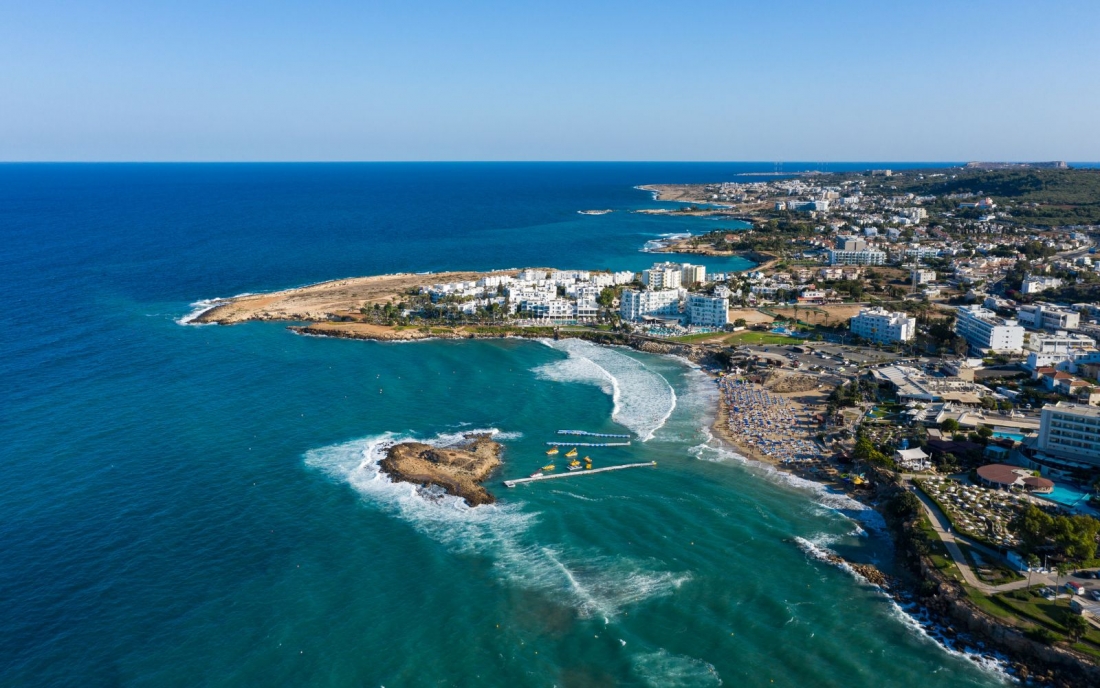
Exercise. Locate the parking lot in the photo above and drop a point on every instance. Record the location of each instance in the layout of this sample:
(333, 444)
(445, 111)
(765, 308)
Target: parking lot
(832, 359)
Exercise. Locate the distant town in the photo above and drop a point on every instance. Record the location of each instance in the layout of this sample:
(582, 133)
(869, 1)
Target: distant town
(925, 340)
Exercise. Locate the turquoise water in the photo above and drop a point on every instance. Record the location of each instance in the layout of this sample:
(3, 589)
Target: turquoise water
(1015, 436)
(189, 505)
(1069, 495)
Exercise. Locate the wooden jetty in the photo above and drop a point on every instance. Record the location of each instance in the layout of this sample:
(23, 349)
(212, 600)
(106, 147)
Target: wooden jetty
(575, 474)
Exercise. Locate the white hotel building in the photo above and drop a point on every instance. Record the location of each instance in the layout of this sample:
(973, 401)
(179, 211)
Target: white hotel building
(985, 330)
(635, 305)
(863, 257)
(708, 311)
(1071, 432)
(883, 326)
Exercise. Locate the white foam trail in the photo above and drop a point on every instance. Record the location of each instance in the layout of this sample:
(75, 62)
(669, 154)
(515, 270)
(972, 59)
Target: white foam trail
(913, 618)
(662, 668)
(594, 585)
(643, 400)
(204, 305)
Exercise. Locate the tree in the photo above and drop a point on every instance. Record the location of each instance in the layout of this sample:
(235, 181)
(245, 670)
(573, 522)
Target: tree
(1063, 570)
(949, 425)
(740, 322)
(1032, 564)
(1075, 536)
(985, 431)
(1033, 526)
(1076, 624)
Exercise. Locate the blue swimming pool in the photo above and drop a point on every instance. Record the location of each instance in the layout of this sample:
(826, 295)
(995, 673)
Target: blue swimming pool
(1068, 495)
(1015, 436)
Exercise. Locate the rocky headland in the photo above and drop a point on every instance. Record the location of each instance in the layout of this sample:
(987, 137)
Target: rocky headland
(459, 470)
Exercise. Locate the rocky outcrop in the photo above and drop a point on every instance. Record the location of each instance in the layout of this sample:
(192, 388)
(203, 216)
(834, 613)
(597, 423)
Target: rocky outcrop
(459, 470)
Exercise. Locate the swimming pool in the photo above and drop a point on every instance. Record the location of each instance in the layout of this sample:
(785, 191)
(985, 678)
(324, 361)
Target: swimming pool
(1015, 436)
(1068, 495)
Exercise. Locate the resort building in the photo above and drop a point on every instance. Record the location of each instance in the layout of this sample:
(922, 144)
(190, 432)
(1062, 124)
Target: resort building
(1046, 316)
(662, 277)
(692, 274)
(883, 326)
(1071, 432)
(708, 311)
(912, 384)
(912, 459)
(864, 257)
(986, 331)
(1058, 342)
(1003, 477)
(636, 305)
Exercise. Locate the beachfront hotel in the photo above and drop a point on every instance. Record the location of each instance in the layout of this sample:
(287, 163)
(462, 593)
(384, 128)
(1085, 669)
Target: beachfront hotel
(636, 305)
(883, 326)
(708, 311)
(1071, 432)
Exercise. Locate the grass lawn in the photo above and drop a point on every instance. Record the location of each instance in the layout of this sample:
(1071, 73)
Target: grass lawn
(760, 338)
(1049, 613)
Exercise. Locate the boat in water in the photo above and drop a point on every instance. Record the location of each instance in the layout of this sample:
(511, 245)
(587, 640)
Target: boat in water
(571, 453)
(574, 465)
(551, 451)
(587, 463)
(548, 467)
(536, 474)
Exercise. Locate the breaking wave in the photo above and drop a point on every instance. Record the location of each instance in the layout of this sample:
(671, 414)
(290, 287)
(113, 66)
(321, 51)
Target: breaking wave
(643, 400)
(201, 306)
(594, 585)
(662, 668)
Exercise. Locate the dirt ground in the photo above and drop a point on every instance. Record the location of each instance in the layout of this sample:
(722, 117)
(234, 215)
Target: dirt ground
(816, 315)
(318, 301)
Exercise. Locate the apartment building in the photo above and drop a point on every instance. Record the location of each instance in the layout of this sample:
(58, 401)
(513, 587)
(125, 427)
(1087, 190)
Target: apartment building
(987, 331)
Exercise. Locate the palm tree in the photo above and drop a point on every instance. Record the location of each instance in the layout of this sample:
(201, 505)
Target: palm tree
(1032, 562)
(1062, 570)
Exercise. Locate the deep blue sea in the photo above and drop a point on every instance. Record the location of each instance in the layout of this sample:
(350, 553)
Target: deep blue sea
(200, 505)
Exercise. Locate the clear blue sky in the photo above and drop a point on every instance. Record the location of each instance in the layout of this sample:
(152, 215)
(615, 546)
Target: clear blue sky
(562, 80)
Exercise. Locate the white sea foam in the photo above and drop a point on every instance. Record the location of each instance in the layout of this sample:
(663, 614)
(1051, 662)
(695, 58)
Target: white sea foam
(203, 305)
(643, 399)
(663, 241)
(593, 584)
(662, 668)
(911, 615)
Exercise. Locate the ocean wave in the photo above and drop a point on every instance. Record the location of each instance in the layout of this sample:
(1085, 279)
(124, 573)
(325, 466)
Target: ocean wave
(203, 305)
(663, 241)
(592, 584)
(714, 450)
(643, 400)
(911, 615)
(662, 668)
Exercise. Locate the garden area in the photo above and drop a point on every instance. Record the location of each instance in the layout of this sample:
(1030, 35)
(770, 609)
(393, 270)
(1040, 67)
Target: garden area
(977, 512)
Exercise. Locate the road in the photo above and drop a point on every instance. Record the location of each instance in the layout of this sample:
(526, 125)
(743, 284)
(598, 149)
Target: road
(951, 541)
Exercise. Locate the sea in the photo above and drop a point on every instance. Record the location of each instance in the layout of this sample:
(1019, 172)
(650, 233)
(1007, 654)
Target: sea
(189, 505)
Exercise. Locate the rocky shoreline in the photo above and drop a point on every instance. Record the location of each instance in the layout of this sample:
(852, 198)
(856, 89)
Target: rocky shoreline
(458, 470)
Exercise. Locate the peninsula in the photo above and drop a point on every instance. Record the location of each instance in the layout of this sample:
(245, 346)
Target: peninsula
(459, 469)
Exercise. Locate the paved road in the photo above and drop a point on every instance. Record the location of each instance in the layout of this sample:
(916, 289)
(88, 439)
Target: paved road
(950, 540)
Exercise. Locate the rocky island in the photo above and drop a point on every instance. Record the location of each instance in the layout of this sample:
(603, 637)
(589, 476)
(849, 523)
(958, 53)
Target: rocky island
(459, 469)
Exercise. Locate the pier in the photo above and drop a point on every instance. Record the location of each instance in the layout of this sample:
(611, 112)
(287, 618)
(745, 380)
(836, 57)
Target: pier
(575, 474)
(591, 434)
(589, 444)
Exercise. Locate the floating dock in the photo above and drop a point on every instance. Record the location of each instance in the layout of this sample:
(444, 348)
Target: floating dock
(575, 474)
(591, 434)
(589, 444)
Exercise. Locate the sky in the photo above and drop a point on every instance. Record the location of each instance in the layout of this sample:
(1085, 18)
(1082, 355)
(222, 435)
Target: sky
(770, 80)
